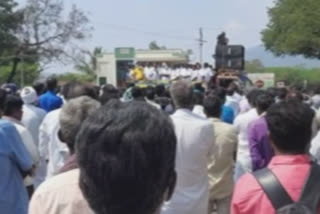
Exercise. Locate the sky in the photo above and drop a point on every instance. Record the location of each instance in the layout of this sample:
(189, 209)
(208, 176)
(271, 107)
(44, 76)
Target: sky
(173, 23)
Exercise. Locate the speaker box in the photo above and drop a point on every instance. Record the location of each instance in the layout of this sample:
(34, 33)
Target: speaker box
(230, 56)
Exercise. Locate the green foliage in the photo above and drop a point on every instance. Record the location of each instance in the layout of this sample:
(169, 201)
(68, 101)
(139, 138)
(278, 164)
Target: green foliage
(79, 77)
(10, 20)
(295, 75)
(30, 72)
(294, 28)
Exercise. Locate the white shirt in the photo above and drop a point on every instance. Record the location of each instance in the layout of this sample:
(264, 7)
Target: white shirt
(244, 105)
(150, 73)
(241, 124)
(61, 194)
(315, 147)
(28, 143)
(316, 101)
(50, 146)
(32, 119)
(195, 137)
(199, 110)
(233, 103)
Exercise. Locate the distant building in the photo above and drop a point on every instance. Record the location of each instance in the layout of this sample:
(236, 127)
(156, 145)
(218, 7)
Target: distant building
(112, 67)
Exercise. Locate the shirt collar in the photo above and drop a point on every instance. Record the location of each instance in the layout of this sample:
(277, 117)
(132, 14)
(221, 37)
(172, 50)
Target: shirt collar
(289, 160)
(11, 119)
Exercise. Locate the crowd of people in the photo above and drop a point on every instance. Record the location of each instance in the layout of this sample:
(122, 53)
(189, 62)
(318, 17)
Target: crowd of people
(185, 149)
(154, 71)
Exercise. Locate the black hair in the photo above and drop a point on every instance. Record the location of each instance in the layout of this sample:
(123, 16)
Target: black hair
(160, 90)
(212, 106)
(150, 93)
(282, 93)
(219, 92)
(12, 104)
(252, 96)
(272, 91)
(126, 153)
(39, 87)
(198, 97)
(3, 95)
(290, 124)
(137, 93)
(109, 92)
(263, 102)
(52, 83)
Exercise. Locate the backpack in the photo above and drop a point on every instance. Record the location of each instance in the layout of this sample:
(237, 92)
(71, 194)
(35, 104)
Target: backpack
(308, 202)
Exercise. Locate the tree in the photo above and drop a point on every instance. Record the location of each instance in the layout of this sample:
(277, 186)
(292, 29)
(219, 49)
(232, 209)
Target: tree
(86, 62)
(254, 66)
(47, 35)
(154, 46)
(294, 28)
(10, 20)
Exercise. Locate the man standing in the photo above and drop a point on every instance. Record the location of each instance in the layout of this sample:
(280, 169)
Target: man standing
(13, 114)
(32, 118)
(49, 101)
(241, 123)
(195, 141)
(258, 134)
(289, 124)
(16, 163)
(221, 164)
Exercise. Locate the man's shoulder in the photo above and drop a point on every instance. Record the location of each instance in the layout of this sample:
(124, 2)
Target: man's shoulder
(52, 114)
(246, 187)
(58, 183)
(222, 126)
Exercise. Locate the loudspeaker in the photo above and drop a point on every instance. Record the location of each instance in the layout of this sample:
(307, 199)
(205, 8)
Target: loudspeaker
(230, 56)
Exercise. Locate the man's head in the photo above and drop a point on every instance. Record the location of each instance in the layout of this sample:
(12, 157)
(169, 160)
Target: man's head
(75, 89)
(39, 87)
(219, 92)
(182, 94)
(263, 102)
(137, 93)
(212, 106)
(29, 95)
(126, 153)
(52, 84)
(289, 124)
(109, 92)
(3, 95)
(282, 93)
(252, 97)
(150, 93)
(72, 115)
(13, 107)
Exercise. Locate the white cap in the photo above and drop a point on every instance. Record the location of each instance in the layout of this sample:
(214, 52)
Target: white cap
(28, 95)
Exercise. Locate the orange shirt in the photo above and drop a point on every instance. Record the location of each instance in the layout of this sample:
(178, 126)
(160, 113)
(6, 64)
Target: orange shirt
(291, 171)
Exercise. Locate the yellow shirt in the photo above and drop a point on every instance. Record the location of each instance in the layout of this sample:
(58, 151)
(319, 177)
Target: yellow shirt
(137, 74)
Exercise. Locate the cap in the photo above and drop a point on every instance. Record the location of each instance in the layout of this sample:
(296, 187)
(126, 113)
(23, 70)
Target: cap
(28, 95)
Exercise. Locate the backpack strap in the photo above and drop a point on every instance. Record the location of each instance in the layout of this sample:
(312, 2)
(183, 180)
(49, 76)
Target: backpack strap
(310, 195)
(271, 186)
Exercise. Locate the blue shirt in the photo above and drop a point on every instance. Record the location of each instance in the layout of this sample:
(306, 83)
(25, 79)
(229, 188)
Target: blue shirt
(227, 114)
(49, 101)
(14, 158)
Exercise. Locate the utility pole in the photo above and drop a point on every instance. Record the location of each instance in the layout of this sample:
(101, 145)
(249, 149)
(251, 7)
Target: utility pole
(201, 43)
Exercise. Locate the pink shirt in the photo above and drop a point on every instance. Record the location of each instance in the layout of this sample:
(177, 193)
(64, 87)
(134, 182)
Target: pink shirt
(249, 198)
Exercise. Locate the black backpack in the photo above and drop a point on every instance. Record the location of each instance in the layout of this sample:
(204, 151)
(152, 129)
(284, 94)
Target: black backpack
(308, 202)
